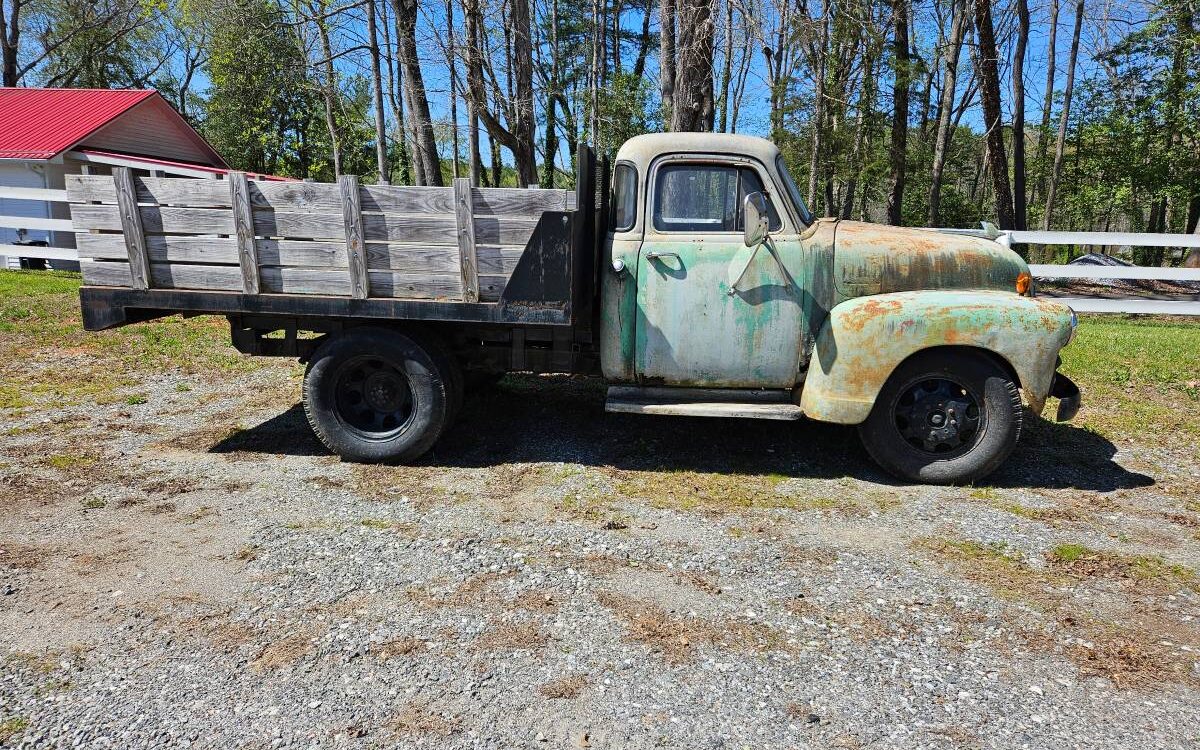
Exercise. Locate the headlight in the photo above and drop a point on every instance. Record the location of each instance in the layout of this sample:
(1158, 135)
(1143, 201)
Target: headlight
(1074, 327)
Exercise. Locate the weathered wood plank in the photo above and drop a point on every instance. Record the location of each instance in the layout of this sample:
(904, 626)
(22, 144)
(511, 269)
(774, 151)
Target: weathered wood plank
(131, 226)
(285, 195)
(514, 201)
(410, 258)
(498, 260)
(243, 222)
(399, 257)
(355, 249)
(173, 191)
(285, 280)
(489, 230)
(402, 199)
(464, 216)
(165, 276)
(158, 219)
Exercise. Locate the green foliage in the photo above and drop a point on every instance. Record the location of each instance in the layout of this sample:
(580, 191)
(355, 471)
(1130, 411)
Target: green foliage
(626, 110)
(263, 114)
(96, 45)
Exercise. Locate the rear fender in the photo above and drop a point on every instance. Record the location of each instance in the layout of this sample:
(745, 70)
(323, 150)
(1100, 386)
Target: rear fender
(864, 339)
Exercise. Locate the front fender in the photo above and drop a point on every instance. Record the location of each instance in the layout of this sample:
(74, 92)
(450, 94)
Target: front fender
(864, 339)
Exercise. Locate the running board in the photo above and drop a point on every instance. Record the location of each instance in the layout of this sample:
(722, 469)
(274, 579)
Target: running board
(702, 402)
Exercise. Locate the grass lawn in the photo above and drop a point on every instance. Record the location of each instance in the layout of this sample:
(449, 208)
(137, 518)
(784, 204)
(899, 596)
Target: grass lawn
(47, 358)
(1140, 377)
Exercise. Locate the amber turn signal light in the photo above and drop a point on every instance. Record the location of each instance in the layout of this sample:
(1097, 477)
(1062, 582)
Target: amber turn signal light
(1024, 284)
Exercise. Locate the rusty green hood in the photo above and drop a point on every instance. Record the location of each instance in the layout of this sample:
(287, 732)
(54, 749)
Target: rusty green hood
(878, 259)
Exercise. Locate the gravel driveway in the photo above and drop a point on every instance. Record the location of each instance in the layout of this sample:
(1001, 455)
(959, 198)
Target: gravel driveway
(188, 567)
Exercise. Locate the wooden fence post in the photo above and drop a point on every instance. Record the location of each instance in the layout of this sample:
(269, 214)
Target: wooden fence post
(464, 214)
(356, 249)
(131, 227)
(243, 223)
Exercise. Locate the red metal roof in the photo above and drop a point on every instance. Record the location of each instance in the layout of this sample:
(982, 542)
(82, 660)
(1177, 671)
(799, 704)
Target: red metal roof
(42, 123)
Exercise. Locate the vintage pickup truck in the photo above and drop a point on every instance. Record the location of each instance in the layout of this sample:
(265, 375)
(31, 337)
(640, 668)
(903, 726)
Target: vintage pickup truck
(691, 276)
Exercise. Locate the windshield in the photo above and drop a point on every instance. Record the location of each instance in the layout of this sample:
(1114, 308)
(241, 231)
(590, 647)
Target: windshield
(794, 192)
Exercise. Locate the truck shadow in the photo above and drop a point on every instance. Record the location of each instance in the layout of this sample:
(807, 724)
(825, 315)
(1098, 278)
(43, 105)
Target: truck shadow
(562, 419)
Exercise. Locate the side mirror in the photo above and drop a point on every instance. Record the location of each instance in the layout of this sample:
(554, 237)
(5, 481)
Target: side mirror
(757, 219)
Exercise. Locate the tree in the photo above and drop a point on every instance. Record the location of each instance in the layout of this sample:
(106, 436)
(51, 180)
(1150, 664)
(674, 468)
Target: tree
(1060, 144)
(958, 25)
(261, 117)
(989, 75)
(426, 164)
(692, 106)
(1020, 209)
(898, 148)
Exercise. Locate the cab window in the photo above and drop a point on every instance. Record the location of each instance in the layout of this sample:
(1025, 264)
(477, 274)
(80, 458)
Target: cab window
(623, 211)
(705, 198)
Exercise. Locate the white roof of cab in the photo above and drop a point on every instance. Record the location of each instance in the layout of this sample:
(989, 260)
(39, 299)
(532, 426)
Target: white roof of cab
(642, 149)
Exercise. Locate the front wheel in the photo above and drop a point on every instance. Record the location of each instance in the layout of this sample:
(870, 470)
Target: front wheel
(944, 417)
(373, 395)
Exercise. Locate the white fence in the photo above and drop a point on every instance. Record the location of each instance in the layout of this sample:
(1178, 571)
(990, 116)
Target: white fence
(1135, 304)
(41, 198)
(1127, 303)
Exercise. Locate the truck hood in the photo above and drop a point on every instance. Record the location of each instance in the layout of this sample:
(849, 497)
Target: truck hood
(878, 259)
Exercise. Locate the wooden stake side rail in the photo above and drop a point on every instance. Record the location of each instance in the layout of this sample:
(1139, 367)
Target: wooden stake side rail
(457, 243)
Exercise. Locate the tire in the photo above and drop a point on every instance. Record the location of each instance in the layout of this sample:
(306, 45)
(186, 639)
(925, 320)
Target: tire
(944, 417)
(375, 395)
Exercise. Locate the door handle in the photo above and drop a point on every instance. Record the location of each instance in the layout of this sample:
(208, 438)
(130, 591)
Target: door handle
(652, 255)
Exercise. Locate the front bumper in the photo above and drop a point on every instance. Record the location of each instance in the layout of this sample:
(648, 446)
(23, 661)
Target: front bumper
(1069, 398)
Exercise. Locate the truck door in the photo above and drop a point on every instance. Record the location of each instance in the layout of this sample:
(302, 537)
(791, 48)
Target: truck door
(695, 326)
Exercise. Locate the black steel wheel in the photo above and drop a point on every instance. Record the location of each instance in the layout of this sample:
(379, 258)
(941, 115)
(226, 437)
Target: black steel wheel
(938, 416)
(945, 416)
(372, 397)
(373, 394)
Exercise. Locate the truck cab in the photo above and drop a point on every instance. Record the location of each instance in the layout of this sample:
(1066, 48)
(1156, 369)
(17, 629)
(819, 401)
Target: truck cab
(721, 294)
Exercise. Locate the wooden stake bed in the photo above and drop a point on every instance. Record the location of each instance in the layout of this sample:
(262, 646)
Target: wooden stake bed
(155, 246)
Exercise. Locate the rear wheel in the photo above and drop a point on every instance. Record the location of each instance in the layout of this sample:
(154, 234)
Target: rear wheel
(944, 417)
(373, 395)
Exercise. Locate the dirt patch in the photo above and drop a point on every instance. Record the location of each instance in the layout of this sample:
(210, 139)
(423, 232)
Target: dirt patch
(676, 638)
(398, 647)
(283, 652)
(564, 687)
(421, 719)
(25, 556)
(507, 636)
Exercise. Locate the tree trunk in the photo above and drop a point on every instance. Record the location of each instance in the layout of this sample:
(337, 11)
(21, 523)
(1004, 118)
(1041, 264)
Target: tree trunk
(899, 142)
(693, 108)
(1047, 98)
(1020, 209)
(639, 65)
(377, 84)
(727, 67)
(395, 90)
(989, 76)
(866, 101)
(1060, 144)
(666, 57)
(818, 119)
(329, 91)
(945, 128)
(474, 83)
(10, 41)
(554, 85)
(424, 145)
(452, 66)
